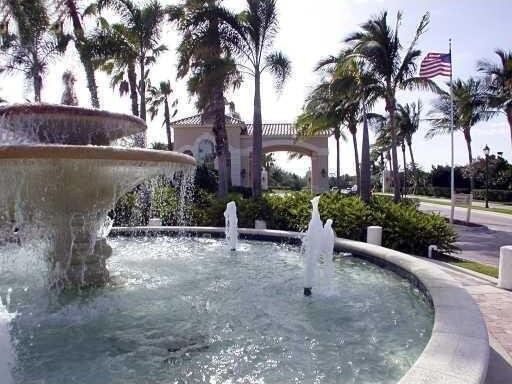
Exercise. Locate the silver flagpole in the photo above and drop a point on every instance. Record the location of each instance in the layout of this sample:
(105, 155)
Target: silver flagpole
(452, 173)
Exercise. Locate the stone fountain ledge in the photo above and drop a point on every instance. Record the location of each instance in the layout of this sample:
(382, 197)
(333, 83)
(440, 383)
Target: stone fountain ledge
(458, 350)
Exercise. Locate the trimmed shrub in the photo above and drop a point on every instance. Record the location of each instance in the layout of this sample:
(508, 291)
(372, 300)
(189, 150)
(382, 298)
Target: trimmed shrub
(405, 228)
(498, 195)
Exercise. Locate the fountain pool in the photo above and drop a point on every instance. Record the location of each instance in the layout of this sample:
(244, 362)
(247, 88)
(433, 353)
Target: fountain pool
(184, 310)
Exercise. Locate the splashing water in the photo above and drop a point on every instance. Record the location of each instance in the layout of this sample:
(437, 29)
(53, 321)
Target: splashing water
(318, 246)
(327, 256)
(7, 356)
(106, 228)
(57, 188)
(312, 246)
(231, 228)
(187, 190)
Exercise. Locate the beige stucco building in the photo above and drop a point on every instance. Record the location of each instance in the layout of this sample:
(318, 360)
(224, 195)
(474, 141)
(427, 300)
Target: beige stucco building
(193, 135)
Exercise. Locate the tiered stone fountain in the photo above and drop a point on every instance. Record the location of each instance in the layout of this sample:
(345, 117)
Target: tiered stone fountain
(59, 177)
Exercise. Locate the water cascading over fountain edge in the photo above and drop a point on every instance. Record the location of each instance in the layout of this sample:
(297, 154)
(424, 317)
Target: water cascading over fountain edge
(60, 178)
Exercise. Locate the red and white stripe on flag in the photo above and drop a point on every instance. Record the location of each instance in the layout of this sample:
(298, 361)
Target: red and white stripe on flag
(436, 64)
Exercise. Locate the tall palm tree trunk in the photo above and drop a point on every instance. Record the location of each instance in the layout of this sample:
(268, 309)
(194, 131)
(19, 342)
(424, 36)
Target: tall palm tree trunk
(85, 56)
(390, 107)
(356, 162)
(142, 91)
(467, 136)
(142, 94)
(338, 156)
(37, 80)
(404, 188)
(257, 139)
(508, 111)
(221, 140)
(167, 118)
(38, 85)
(132, 81)
(414, 169)
(365, 161)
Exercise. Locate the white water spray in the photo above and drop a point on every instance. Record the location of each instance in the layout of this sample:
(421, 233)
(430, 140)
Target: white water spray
(106, 228)
(328, 256)
(313, 246)
(6, 349)
(231, 228)
(318, 247)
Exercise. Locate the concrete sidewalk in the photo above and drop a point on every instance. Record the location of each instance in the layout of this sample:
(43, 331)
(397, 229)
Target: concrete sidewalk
(496, 307)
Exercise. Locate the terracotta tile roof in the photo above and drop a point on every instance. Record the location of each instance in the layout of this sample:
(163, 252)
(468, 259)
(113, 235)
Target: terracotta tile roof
(278, 129)
(275, 129)
(270, 129)
(201, 120)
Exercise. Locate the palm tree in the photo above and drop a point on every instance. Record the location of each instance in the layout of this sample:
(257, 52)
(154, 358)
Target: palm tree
(83, 44)
(257, 27)
(379, 46)
(469, 108)
(499, 83)
(359, 89)
(116, 54)
(205, 55)
(141, 27)
(323, 112)
(408, 117)
(157, 97)
(268, 161)
(34, 45)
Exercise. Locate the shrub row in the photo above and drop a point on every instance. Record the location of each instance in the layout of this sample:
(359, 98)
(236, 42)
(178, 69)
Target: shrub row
(404, 227)
(498, 195)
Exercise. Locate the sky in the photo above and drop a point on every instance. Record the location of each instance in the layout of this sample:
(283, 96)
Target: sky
(310, 30)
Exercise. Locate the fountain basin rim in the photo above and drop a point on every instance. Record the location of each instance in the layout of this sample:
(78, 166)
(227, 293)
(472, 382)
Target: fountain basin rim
(41, 151)
(67, 111)
(458, 349)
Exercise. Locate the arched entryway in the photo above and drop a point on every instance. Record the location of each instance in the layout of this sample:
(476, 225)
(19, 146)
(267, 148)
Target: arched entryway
(194, 133)
(318, 155)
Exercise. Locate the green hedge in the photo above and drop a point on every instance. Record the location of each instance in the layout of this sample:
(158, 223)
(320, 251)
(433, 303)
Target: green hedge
(498, 195)
(405, 228)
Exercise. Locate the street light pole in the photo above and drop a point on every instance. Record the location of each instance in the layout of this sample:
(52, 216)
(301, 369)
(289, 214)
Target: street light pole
(486, 153)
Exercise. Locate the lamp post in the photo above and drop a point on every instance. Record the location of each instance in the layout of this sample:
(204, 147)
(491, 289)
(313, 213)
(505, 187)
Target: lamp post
(486, 153)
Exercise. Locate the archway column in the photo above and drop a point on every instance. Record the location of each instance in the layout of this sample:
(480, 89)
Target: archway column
(319, 173)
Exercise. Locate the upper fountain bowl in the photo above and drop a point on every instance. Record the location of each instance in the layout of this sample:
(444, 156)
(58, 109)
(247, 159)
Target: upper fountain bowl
(60, 124)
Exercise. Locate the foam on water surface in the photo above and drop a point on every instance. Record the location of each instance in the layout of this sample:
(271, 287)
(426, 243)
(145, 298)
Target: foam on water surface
(189, 310)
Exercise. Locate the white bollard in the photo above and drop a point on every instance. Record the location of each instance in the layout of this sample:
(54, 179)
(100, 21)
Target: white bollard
(505, 272)
(374, 235)
(431, 249)
(155, 222)
(260, 224)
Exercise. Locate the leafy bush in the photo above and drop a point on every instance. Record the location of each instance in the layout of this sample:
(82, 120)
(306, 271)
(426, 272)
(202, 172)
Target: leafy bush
(499, 195)
(124, 208)
(494, 195)
(408, 230)
(206, 179)
(404, 227)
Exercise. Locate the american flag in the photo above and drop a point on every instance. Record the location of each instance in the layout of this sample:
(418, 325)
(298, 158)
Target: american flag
(435, 64)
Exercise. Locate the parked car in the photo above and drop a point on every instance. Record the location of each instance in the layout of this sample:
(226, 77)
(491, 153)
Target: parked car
(351, 191)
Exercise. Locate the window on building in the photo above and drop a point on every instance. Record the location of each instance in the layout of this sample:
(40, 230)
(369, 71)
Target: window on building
(206, 153)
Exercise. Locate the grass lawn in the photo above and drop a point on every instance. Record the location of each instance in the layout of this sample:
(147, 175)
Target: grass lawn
(477, 267)
(471, 265)
(476, 208)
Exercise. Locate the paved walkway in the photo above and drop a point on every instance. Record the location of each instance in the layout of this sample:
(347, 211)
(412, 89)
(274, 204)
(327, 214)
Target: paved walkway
(496, 307)
(480, 244)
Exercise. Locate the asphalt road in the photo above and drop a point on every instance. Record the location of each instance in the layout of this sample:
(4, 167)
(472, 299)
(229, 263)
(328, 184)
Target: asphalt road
(480, 244)
(493, 221)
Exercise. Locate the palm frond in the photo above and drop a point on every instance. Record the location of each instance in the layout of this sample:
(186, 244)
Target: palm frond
(280, 67)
